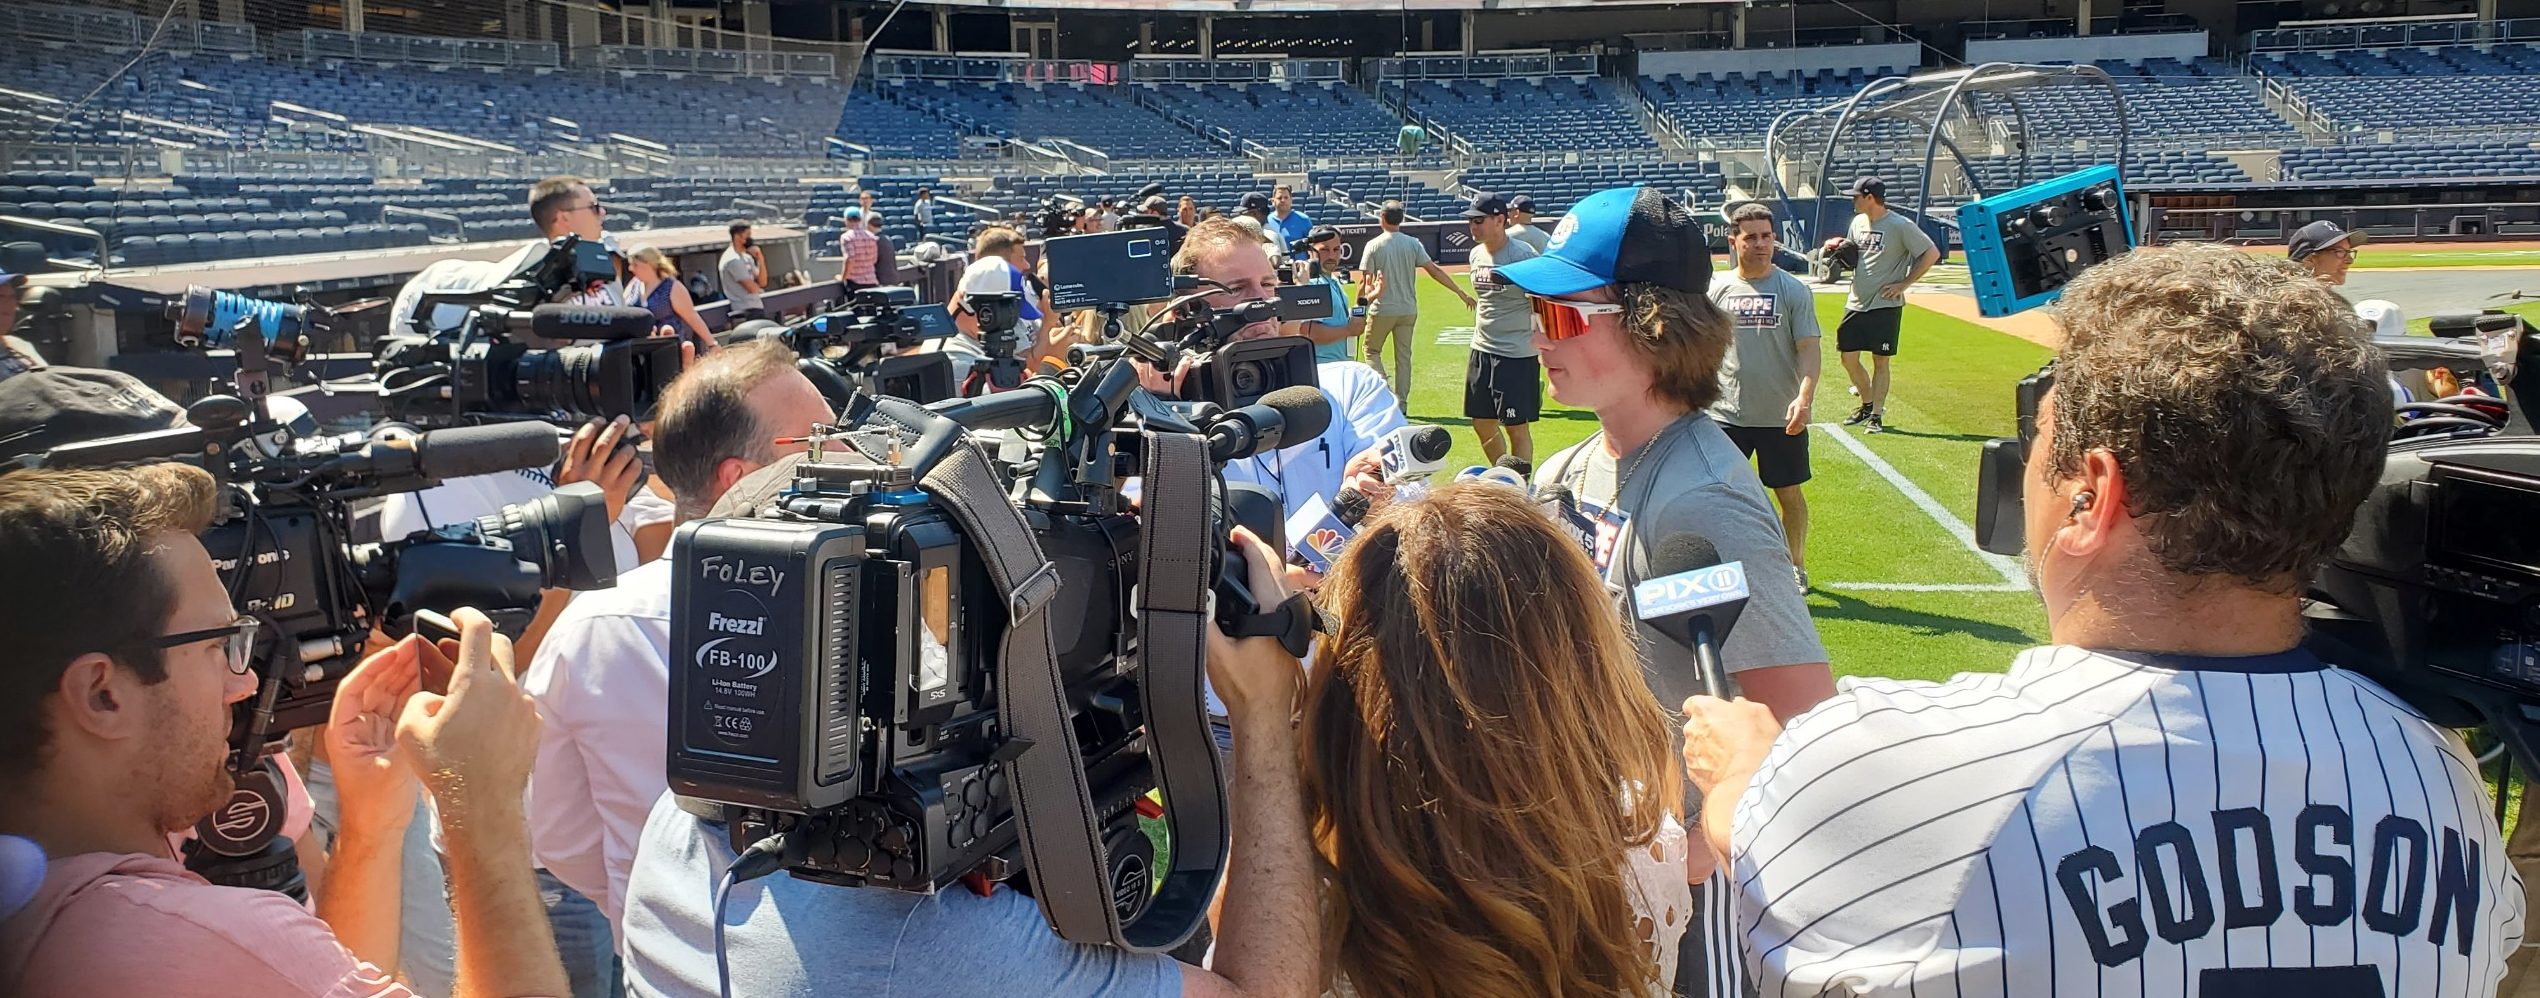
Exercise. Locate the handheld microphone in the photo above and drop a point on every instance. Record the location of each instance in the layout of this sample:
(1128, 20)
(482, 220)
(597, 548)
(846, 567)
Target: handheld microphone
(1286, 417)
(1413, 453)
(1351, 507)
(1694, 601)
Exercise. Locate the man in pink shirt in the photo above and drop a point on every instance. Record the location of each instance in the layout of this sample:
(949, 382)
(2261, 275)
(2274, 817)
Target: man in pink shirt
(858, 251)
(125, 656)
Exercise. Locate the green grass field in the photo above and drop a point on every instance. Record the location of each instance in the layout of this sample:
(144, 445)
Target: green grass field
(2386, 258)
(1952, 390)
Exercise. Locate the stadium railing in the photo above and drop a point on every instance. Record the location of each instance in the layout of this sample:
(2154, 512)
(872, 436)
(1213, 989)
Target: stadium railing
(2389, 34)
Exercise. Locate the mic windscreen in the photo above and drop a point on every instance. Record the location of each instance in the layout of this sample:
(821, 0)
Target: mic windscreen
(1430, 443)
(1351, 507)
(1304, 413)
(1514, 463)
(591, 322)
(461, 451)
(1683, 553)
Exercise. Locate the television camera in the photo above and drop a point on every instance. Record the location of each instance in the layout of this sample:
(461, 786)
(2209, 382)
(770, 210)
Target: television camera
(283, 542)
(2435, 594)
(1112, 272)
(861, 346)
(497, 359)
(913, 669)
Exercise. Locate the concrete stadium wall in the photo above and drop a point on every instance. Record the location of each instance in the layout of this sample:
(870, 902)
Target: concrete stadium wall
(1903, 55)
(2183, 46)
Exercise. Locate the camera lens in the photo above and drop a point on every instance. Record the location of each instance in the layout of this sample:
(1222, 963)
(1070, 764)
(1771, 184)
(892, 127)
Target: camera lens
(559, 379)
(1247, 378)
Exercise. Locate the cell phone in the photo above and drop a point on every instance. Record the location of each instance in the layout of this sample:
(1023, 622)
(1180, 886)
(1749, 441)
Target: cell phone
(435, 626)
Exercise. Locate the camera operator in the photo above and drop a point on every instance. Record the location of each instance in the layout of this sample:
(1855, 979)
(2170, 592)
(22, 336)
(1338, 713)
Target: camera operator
(17, 356)
(601, 678)
(2112, 809)
(560, 206)
(743, 268)
(786, 936)
(1363, 408)
(1336, 338)
(997, 266)
(126, 657)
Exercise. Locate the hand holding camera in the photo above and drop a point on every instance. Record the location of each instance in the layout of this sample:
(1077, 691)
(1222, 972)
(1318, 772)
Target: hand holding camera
(1256, 677)
(600, 454)
(473, 744)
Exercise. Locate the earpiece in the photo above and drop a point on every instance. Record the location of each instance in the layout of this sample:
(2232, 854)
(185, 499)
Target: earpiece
(2082, 501)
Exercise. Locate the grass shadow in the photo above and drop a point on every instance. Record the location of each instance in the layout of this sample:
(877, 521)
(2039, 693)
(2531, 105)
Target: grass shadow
(1954, 437)
(1829, 604)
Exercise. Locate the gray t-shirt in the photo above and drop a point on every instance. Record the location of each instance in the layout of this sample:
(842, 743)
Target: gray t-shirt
(1692, 480)
(1774, 318)
(1504, 321)
(1398, 257)
(792, 937)
(736, 267)
(1531, 236)
(1889, 248)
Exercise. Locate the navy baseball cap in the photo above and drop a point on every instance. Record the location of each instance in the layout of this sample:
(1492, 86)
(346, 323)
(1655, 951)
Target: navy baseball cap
(1521, 203)
(1627, 235)
(1256, 200)
(46, 408)
(2318, 236)
(1871, 186)
(1486, 206)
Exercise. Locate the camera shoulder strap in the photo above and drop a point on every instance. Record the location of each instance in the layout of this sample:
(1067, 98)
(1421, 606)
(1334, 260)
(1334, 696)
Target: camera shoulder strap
(1180, 546)
(1053, 802)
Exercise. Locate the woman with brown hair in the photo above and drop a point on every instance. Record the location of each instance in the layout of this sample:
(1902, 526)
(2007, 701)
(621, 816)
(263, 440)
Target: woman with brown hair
(1490, 781)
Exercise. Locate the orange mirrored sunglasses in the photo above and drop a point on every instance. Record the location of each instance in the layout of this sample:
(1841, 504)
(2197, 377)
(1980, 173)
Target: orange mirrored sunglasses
(1563, 320)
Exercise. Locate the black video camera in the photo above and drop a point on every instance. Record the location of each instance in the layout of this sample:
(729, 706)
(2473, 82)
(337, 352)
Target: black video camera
(859, 347)
(2435, 594)
(921, 672)
(1110, 272)
(283, 544)
(498, 360)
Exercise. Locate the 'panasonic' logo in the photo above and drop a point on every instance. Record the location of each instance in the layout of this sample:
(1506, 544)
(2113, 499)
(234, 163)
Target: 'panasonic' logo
(736, 625)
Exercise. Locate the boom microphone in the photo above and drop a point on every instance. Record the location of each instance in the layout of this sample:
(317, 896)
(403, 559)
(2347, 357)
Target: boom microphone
(462, 451)
(584, 322)
(1693, 600)
(1283, 418)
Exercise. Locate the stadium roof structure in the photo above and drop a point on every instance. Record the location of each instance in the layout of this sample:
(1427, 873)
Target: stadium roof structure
(1314, 6)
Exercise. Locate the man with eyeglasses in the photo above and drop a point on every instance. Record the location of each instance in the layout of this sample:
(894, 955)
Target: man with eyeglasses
(125, 657)
(1626, 328)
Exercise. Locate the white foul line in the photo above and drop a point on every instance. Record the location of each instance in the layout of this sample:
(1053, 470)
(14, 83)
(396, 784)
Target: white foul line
(1926, 587)
(2007, 568)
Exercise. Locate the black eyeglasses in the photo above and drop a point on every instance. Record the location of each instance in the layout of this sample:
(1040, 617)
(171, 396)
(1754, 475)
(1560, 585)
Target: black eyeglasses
(239, 642)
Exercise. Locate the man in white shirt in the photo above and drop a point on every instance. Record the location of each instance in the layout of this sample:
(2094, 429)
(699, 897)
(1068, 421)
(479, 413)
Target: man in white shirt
(601, 678)
(561, 206)
(2175, 797)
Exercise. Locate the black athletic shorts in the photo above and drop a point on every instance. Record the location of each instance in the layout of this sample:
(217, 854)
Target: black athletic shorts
(1781, 460)
(1874, 330)
(1507, 389)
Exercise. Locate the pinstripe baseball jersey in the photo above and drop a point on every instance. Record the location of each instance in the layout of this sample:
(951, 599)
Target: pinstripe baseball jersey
(2121, 824)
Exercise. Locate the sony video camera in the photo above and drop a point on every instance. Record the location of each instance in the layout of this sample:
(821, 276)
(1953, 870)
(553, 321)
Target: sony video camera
(2435, 594)
(283, 544)
(515, 353)
(920, 671)
(861, 346)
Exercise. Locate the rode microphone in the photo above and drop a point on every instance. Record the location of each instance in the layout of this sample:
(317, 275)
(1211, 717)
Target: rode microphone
(1693, 600)
(1413, 453)
(583, 322)
(464, 451)
(1289, 416)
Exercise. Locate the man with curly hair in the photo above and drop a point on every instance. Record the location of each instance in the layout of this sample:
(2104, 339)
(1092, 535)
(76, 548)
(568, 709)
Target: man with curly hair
(2174, 797)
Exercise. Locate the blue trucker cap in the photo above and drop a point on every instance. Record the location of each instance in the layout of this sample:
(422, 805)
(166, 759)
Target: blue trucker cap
(1627, 235)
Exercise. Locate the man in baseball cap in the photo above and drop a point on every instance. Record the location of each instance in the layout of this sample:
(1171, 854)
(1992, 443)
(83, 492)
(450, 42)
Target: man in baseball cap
(1626, 327)
(1521, 224)
(47, 408)
(17, 356)
(2325, 250)
(1256, 206)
